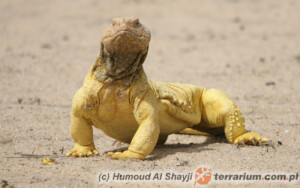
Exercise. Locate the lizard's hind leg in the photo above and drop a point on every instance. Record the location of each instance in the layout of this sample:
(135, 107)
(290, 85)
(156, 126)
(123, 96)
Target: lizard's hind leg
(234, 124)
(220, 111)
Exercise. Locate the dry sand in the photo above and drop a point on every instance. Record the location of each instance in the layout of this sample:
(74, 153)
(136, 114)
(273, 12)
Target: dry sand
(249, 49)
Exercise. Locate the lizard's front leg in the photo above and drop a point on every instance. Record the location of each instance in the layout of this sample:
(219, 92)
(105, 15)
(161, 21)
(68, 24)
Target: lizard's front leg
(146, 136)
(82, 134)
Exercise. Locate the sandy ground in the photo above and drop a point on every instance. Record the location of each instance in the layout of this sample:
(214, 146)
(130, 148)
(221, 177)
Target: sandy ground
(249, 49)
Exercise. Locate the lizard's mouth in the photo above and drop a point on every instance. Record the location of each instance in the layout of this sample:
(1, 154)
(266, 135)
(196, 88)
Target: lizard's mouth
(127, 30)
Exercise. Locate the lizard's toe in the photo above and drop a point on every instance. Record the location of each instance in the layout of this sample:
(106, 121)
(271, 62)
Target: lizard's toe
(95, 152)
(89, 153)
(82, 151)
(125, 154)
(114, 155)
(250, 138)
(70, 153)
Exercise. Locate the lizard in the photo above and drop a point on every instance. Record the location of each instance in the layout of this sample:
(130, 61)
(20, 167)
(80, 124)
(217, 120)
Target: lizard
(119, 99)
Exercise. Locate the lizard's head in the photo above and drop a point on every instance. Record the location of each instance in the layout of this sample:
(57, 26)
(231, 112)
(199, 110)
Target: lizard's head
(124, 46)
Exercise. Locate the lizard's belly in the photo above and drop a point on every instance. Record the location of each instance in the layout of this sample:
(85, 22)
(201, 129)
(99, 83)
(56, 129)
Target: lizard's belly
(122, 128)
(121, 125)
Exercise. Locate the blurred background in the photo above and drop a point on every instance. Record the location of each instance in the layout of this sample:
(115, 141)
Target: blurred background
(250, 49)
(48, 45)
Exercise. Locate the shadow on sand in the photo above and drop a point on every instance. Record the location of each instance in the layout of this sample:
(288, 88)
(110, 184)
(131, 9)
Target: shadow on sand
(161, 151)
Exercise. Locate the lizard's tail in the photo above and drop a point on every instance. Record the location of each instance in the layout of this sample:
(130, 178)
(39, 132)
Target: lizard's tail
(193, 132)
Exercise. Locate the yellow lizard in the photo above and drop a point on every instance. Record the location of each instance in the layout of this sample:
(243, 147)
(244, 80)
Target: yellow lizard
(118, 99)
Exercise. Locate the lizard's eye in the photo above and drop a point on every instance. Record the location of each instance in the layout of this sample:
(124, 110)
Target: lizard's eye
(114, 23)
(136, 23)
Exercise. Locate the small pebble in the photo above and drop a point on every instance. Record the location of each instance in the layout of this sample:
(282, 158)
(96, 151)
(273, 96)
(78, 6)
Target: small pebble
(286, 131)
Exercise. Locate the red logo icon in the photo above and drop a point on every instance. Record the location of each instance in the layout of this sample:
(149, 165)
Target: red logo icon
(202, 176)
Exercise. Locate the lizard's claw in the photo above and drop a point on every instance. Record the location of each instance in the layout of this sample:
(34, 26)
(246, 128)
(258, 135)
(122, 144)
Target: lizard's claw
(125, 154)
(253, 142)
(250, 138)
(242, 141)
(259, 142)
(83, 151)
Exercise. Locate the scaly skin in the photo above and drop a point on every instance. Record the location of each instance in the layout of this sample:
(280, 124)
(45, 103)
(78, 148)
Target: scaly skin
(118, 98)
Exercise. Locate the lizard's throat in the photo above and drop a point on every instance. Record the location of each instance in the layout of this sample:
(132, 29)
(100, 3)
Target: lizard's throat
(115, 69)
